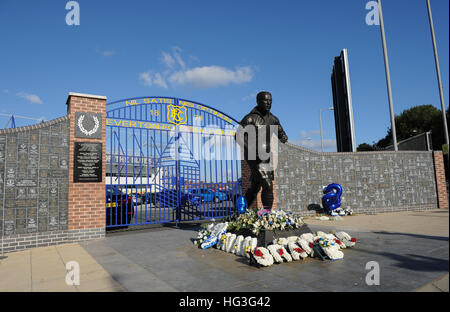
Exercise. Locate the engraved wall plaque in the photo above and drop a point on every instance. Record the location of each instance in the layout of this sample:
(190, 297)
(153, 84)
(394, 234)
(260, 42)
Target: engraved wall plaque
(33, 173)
(87, 162)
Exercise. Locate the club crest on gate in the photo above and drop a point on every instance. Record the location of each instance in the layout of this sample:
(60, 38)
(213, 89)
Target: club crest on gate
(176, 114)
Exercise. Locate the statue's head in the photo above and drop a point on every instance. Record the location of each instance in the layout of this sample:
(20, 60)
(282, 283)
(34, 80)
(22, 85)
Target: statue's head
(264, 100)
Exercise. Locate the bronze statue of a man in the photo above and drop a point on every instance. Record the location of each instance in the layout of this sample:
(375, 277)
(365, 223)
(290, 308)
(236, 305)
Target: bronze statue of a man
(254, 135)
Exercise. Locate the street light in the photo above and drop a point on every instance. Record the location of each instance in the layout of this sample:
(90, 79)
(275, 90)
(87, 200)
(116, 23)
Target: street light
(320, 118)
(438, 73)
(388, 76)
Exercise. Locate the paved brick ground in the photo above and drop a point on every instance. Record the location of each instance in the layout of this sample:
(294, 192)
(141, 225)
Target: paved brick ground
(44, 270)
(164, 259)
(411, 248)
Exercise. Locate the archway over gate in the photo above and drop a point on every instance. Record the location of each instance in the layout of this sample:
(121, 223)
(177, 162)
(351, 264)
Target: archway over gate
(169, 160)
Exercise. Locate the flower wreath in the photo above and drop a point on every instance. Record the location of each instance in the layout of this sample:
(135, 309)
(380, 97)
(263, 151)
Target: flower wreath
(225, 242)
(279, 253)
(296, 251)
(221, 241)
(249, 244)
(230, 243)
(346, 239)
(238, 245)
(213, 238)
(262, 256)
(304, 245)
(330, 248)
(281, 241)
(308, 237)
(339, 243)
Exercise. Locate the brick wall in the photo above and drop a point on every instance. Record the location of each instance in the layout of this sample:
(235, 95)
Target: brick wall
(86, 200)
(441, 185)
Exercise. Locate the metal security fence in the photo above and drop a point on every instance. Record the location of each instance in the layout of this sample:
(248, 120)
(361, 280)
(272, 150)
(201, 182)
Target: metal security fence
(169, 160)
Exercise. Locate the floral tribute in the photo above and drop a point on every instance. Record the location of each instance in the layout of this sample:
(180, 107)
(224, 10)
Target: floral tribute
(281, 250)
(202, 235)
(346, 239)
(276, 220)
(296, 251)
(279, 253)
(262, 256)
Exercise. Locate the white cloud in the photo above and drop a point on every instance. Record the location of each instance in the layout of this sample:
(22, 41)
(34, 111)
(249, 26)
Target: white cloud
(177, 73)
(6, 91)
(211, 76)
(105, 53)
(249, 97)
(32, 98)
(308, 134)
(177, 56)
(108, 53)
(168, 60)
(160, 81)
(146, 79)
(329, 145)
(149, 79)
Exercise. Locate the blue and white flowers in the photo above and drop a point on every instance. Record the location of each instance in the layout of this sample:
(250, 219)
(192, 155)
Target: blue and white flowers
(281, 249)
(276, 220)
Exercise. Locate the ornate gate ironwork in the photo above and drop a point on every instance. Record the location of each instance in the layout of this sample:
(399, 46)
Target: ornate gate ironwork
(169, 160)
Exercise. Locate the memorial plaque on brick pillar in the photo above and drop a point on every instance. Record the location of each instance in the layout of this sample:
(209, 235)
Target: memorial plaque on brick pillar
(87, 161)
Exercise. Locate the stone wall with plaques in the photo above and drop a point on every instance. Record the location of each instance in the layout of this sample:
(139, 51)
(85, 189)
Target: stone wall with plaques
(372, 182)
(34, 178)
(50, 193)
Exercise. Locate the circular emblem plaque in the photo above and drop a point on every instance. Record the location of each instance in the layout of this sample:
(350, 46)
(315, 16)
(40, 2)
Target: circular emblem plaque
(86, 132)
(88, 125)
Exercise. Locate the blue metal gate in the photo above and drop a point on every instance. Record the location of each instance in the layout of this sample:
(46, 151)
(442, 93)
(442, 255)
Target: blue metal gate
(169, 160)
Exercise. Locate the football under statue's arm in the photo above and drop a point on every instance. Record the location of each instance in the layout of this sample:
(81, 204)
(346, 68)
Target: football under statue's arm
(282, 136)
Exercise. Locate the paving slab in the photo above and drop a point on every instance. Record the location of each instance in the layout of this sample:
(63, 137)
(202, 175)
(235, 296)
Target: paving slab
(411, 249)
(407, 260)
(44, 270)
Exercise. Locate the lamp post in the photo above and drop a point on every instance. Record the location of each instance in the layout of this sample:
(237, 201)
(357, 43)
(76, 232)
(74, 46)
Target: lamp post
(388, 76)
(320, 118)
(438, 73)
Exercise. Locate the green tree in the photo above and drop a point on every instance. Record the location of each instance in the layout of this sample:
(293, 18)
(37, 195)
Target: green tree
(364, 147)
(417, 120)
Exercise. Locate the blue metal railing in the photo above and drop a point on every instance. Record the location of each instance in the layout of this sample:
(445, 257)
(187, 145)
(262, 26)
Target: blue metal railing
(157, 167)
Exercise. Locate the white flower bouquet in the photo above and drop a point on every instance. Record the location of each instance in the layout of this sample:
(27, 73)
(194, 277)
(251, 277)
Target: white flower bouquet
(216, 231)
(276, 220)
(202, 235)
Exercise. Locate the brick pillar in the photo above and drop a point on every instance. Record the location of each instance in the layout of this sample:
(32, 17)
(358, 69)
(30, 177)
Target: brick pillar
(441, 185)
(86, 200)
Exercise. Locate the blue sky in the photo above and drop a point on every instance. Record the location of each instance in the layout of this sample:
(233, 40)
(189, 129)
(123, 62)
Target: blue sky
(221, 53)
